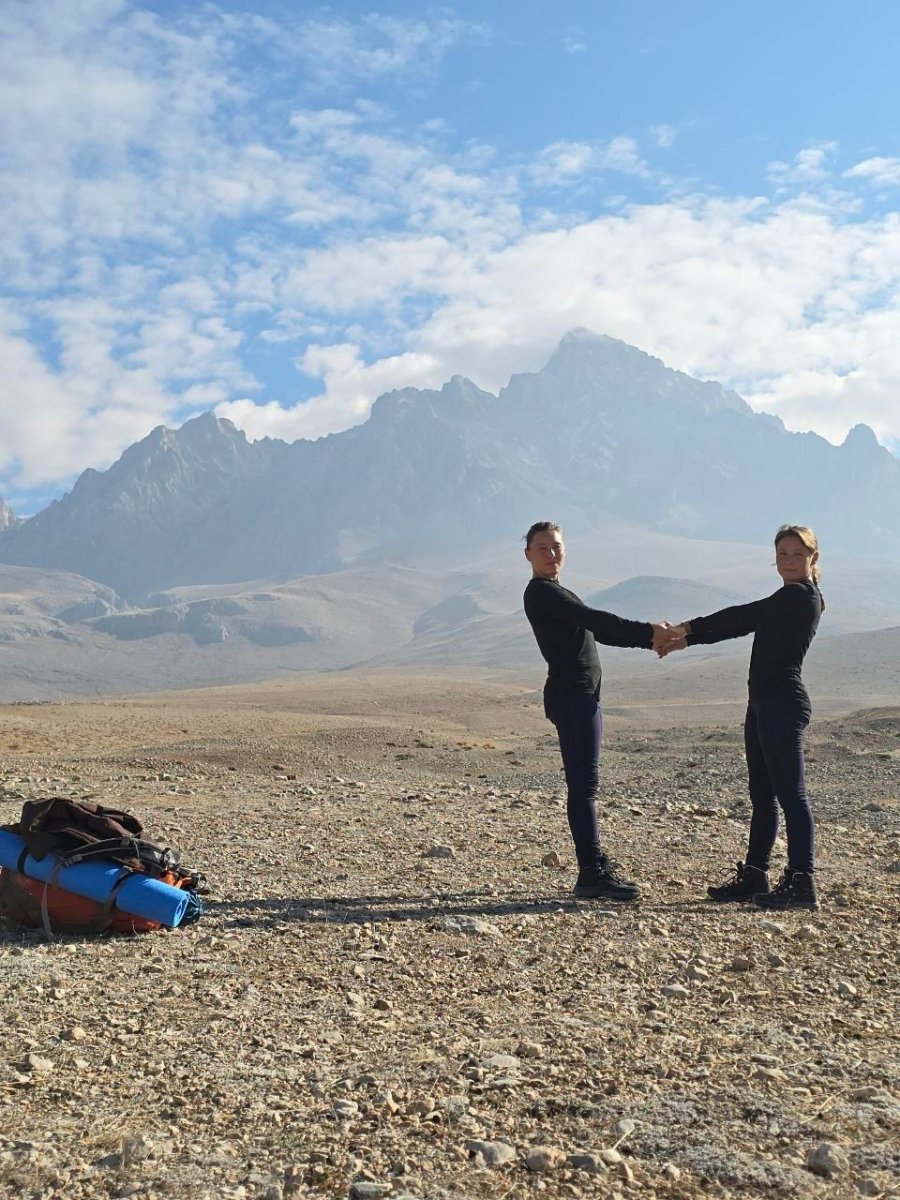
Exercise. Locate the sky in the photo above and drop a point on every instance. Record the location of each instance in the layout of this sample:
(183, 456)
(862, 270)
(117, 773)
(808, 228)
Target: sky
(279, 210)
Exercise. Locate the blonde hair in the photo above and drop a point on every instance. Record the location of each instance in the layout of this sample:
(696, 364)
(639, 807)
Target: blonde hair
(805, 535)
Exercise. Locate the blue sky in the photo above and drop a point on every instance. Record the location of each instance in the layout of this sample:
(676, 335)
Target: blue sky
(281, 210)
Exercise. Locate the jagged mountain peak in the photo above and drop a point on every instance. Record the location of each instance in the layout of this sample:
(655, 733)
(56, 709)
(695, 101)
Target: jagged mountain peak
(862, 438)
(8, 519)
(603, 428)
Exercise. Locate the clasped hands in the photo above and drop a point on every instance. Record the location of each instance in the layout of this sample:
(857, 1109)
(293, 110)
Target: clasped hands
(668, 637)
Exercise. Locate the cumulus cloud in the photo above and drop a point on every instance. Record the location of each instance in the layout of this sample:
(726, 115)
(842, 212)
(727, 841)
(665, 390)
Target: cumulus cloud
(179, 234)
(879, 170)
(809, 166)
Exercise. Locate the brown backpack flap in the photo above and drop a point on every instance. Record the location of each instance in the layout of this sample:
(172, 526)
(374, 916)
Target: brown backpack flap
(58, 825)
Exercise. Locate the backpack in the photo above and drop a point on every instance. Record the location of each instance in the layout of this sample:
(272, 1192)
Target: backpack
(73, 831)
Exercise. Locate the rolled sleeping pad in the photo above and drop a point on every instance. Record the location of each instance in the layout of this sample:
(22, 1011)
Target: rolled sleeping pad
(139, 895)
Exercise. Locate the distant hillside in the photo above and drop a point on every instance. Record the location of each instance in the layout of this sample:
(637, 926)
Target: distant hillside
(603, 429)
(655, 597)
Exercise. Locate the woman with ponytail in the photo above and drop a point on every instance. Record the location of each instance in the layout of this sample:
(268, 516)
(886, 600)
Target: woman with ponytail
(783, 626)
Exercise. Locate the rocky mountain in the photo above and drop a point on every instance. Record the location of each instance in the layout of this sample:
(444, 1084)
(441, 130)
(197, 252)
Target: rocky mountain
(603, 429)
(7, 518)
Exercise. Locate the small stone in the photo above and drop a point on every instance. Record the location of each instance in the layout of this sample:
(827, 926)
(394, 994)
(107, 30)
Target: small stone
(806, 933)
(386, 1101)
(845, 988)
(625, 1127)
(383, 1005)
(867, 1186)
(38, 1065)
(492, 1154)
(676, 990)
(740, 964)
(437, 851)
(551, 859)
(134, 1148)
(541, 1159)
(501, 1062)
(367, 1189)
(768, 926)
(74, 1034)
(768, 1074)
(894, 867)
(671, 1172)
(530, 1050)
(591, 1164)
(611, 1156)
(827, 1160)
(870, 1095)
(698, 974)
(774, 960)
(345, 1109)
(464, 924)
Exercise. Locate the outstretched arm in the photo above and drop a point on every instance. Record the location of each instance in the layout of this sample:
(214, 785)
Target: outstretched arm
(733, 622)
(606, 627)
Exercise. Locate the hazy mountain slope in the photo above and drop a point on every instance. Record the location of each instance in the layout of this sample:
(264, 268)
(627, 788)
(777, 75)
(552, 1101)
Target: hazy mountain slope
(602, 429)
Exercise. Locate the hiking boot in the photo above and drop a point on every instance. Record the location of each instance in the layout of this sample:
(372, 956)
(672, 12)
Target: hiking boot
(797, 889)
(603, 880)
(744, 884)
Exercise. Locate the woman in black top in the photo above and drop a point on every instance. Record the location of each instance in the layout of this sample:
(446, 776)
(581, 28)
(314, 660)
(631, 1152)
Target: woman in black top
(566, 630)
(778, 712)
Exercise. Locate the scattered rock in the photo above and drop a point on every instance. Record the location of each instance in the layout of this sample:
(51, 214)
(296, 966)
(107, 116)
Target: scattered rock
(37, 1065)
(551, 859)
(542, 1159)
(827, 1160)
(437, 851)
(365, 1189)
(591, 1164)
(846, 989)
(491, 1154)
(464, 924)
(676, 991)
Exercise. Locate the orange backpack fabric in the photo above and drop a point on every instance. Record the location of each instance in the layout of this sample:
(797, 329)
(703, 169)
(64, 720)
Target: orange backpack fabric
(21, 901)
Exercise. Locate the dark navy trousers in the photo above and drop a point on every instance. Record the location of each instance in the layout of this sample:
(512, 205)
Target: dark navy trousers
(773, 740)
(579, 725)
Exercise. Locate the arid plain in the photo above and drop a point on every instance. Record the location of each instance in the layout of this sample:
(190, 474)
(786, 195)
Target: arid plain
(392, 992)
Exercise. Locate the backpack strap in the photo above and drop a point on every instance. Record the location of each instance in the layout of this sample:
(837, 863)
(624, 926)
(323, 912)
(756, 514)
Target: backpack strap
(104, 849)
(103, 917)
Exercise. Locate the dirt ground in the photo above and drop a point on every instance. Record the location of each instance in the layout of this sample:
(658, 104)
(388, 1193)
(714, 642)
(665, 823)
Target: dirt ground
(392, 992)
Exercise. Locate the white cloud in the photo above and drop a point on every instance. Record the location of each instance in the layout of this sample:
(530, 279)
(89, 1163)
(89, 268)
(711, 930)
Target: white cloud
(562, 162)
(879, 170)
(346, 400)
(809, 166)
(766, 298)
(664, 135)
(338, 52)
(622, 154)
(170, 227)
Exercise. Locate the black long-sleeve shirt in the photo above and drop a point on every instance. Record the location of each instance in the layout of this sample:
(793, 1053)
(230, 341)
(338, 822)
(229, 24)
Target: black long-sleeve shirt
(565, 629)
(783, 624)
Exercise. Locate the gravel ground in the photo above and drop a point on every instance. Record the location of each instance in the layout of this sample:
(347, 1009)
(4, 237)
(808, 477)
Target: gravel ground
(392, 992)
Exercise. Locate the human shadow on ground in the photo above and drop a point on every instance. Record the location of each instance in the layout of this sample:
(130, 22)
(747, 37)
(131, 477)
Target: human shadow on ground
(480, 906)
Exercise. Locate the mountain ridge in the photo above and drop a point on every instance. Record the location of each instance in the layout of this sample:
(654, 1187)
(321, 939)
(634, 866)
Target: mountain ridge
(603, 427)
